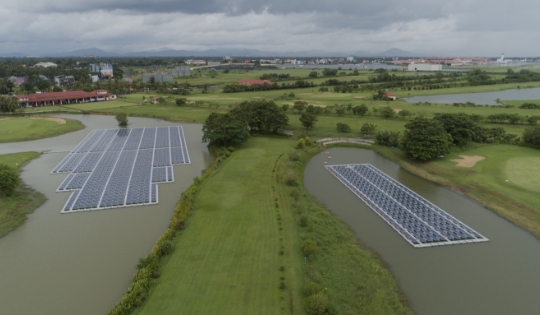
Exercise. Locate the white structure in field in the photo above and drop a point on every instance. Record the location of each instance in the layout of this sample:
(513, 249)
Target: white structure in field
(424, 67)
(501, 60)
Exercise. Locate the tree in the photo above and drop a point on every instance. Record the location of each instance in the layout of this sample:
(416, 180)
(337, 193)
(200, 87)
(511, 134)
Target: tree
(313, 74)
(122, 119)
(368, 129)
(299, 106)
(425, 139)
(387, 112)
(308, 120)
(341, 127)
(8, 104)
(9, 180)
(329, 72)
(285, 107)
(360, 110)
(404, 113)
(262, 115)
(531, 137)
(224, 129)
(181, 101)
(57, 88)
(459, 126)
(43, 85)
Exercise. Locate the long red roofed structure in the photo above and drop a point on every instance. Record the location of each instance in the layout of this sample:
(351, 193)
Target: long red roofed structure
(61, 98)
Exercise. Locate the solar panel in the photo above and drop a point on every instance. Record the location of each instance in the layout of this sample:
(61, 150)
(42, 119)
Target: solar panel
(419, 221)
(121, 167)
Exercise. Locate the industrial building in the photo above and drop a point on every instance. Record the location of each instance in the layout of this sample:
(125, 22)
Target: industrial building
(63, 80)
(424, 67)
(162, 77)
(183, 71)
(103, 69)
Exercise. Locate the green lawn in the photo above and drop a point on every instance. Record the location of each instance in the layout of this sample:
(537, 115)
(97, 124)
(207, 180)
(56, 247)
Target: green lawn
(14, 129)
(13, 209)
(228, 259)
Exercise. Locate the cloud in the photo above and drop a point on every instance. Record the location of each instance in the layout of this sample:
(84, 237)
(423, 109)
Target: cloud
(472, 27)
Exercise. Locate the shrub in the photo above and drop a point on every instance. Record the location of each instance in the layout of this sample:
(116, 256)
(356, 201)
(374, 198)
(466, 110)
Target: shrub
(282, 285)
(301, 144)
(166, 248)
(304, 220)
(9, 180)
(531, 137)
(317, 303)
(368, 129)
(312, 288)
(307, 141)
(290, 179)
(156, 275)
(309, 248)
(143, 262)
(388, 138)
(295, 194)
(122, 119)
(294, 156)
(179, 225)
(343, 127)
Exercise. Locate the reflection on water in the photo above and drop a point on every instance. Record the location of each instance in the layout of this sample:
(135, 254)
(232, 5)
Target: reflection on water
(82, 263)
(485, 98)
(496, 277)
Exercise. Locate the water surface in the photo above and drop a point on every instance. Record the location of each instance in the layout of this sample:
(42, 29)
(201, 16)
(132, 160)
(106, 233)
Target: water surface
(500, 276)
(82, 263)
(484, 98)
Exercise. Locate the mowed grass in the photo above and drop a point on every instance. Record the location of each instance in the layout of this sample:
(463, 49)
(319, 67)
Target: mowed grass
(227, 259)
(13, 209)
(524, 172)
(24, 128)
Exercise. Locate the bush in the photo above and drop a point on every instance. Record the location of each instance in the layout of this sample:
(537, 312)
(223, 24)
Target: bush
(9, 180)
(388, 138)
(312, 288)
(343, 127)
(309, 248)
(368, 129)
(294, 156)
(304, 220)
(307, 141)
(122, 119)
(531, 137)
(317, 303)
(295, 194)
(301, 144)
(143, 262)
(166, 248)
(290, 179)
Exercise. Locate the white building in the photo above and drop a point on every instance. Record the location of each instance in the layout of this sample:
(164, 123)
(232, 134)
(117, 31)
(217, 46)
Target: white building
(424, 67)
(195, 62)
(45, 64)
(350, 58)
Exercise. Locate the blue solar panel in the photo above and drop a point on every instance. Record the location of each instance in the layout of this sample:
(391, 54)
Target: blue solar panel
(121, 167)
(419, 221)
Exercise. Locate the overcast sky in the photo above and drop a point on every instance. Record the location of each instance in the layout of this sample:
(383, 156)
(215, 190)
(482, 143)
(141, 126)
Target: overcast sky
(464, 27)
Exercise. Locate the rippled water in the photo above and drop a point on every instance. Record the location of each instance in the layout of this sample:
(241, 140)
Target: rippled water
(484, 98)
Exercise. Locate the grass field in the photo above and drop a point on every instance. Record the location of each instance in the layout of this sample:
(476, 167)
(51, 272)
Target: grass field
(13, 209)
(228, 259)
(30, 128)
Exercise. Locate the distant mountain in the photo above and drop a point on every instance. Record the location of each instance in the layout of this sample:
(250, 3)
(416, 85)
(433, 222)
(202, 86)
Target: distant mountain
(395, 52)
(85, 52)
(13, 54)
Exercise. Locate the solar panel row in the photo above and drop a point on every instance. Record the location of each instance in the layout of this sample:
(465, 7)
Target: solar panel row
(115, 168)
(420, 222)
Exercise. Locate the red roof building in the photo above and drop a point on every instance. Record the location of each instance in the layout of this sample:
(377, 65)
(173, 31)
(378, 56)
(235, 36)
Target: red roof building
(391, 96)
(250, 82)
(61, 98)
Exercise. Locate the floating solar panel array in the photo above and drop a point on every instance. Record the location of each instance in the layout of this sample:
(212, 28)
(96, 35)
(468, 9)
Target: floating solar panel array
(121, 167)
(419, 221)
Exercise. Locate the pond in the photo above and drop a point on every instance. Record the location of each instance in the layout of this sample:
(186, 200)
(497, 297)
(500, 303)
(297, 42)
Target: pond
(484, 98)
(82, 263)
(495, 277)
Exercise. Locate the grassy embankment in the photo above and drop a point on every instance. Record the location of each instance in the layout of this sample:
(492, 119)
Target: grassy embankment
(244, 240)
(25, 200)
(14, 129)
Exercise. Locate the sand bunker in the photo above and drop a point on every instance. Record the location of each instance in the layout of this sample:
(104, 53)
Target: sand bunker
(397, 110)
(360, 96)
(59, 121)
(468, 160)
(4, 118)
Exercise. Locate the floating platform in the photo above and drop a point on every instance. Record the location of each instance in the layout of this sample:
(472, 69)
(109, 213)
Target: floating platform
(420, 222)
(113, 168)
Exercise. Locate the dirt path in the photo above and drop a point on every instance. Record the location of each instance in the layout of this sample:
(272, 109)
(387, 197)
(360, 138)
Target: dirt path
(59, 121)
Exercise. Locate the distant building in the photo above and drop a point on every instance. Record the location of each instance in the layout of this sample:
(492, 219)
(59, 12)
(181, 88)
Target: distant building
(227, 58)
(350, 58)
(195, 62)
(63, 80)
(182, 71)
(214, 63)
(154, 67)
(251, 82)
(60, 98)
(391, 96)
(45, 64)
(18, 81)
(424, 67)
(103, 69)
(163, 77)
